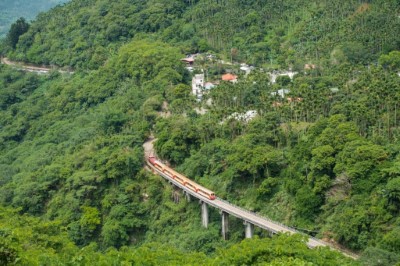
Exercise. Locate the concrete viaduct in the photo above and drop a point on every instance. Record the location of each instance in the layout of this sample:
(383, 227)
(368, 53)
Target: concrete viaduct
(250, 219)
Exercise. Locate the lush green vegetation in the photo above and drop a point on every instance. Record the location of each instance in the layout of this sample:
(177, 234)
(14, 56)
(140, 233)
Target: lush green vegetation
(11, 10)
(273, 33)
(29, 241)
(328, 163)
(324, 159)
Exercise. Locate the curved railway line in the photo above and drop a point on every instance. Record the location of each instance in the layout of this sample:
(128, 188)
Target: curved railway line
(250, 218)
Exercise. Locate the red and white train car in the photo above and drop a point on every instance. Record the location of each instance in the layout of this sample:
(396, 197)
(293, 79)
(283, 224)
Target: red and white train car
(181, 179)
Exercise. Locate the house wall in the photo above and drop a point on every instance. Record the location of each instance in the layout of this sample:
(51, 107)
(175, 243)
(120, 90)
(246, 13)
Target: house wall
(198, 85)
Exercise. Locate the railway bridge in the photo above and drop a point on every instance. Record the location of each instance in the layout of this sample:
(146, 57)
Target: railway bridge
(250, 219)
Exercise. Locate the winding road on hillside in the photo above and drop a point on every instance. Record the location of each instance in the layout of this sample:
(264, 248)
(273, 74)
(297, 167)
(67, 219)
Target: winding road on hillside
(241, 213)
(31, 68)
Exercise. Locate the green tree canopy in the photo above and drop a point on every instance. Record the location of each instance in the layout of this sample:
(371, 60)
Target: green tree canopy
(17, 29)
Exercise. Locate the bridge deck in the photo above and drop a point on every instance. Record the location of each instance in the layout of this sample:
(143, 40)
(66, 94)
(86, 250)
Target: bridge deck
(251, 217)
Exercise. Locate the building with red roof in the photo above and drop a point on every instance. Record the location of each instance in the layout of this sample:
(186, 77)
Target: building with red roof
(229, 77)
(188, 60)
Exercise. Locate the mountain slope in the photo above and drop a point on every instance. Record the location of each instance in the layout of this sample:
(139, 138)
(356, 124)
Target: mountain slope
(323, 158)
(273, 32)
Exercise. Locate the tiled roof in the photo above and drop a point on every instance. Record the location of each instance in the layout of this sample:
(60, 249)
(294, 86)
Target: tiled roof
(229, 77)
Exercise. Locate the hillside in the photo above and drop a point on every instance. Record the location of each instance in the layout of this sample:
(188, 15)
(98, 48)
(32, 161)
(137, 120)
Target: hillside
(321, 154)
(11, 10)
(273, 33)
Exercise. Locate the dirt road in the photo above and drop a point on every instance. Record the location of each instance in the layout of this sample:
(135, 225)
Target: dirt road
(148, 147)
(30, 67)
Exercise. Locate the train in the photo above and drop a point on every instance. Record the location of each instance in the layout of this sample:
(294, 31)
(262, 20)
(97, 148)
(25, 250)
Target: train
(181, 179)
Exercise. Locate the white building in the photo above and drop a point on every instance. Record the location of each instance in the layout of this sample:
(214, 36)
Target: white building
(198, 85)
(246, 68)
(275, 74)
(243, 117)
(281, 92)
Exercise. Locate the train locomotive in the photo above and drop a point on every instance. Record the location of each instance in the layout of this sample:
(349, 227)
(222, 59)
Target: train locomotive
(181, 179)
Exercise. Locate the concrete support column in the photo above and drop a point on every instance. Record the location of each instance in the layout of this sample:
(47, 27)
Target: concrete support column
(188, 197)
(249, 229)
(204, 214)
(175, 195)
(225, 228)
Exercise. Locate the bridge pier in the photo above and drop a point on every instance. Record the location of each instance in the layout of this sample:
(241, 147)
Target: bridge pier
(175, 195)
(246, 216)
(225, 219)
(188, 197)
(204, 214)
(249, 229)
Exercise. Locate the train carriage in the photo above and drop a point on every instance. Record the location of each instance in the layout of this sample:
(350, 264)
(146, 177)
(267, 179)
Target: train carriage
(206, 193)
(181, 179)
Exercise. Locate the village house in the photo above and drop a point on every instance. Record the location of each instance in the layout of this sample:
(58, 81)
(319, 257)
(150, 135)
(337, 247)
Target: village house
(188, 60)
(246, 68)
(229, 77)
(309, 66)
(275, 74)
(243, 117)
(281, 93)
(198, 85)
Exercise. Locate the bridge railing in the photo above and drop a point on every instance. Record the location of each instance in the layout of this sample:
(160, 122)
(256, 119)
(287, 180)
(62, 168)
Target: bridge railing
(261, 217)
(244, 210)
(350, 254)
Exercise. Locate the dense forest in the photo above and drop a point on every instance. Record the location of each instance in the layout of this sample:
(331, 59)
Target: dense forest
(10, 10)
(277, 33)
(324, 159)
